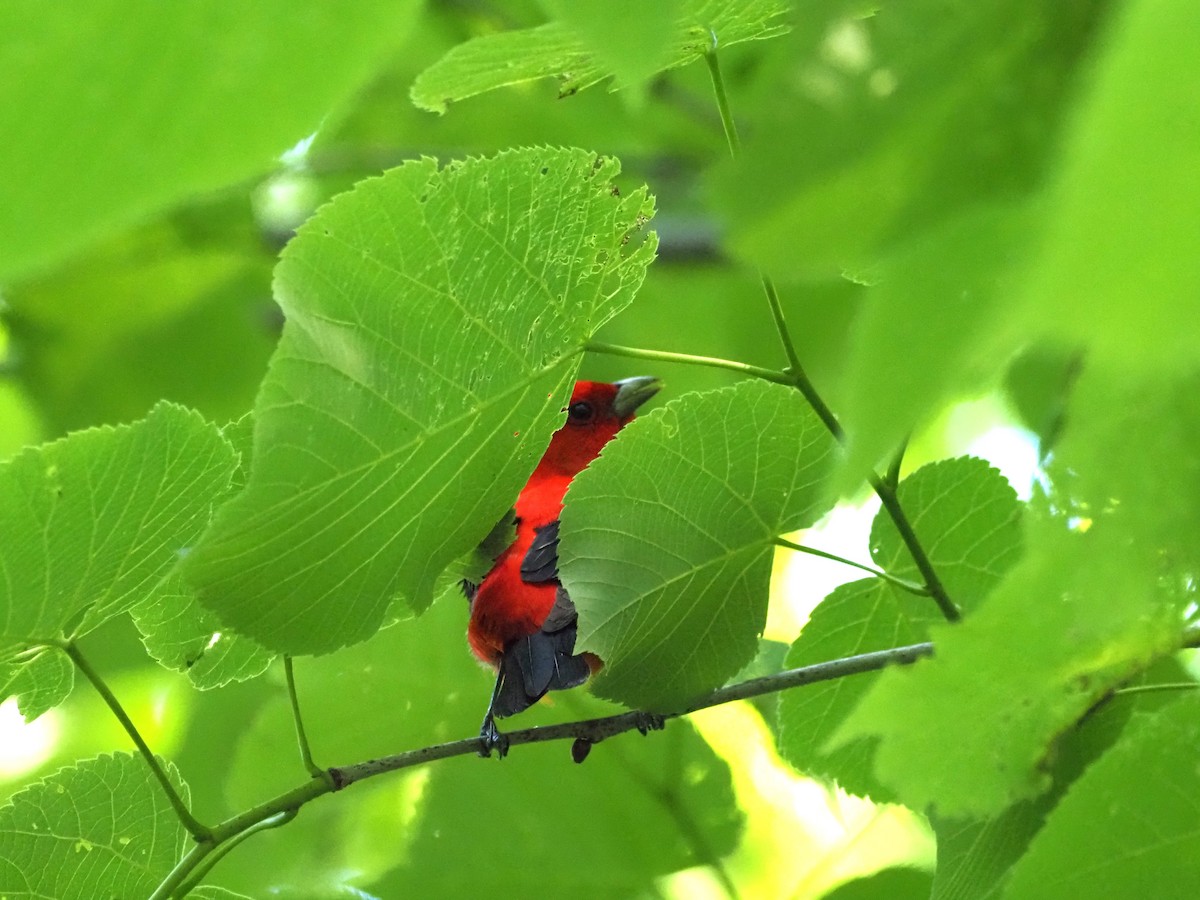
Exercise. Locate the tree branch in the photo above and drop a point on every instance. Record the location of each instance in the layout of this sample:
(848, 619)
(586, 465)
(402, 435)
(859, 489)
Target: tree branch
(593, 731)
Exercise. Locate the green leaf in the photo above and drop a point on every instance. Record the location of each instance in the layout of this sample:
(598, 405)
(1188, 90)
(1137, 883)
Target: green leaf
(933, 327)
(636, 810)
(628, 38)
(40, 681)
(878, 125)
(556, 50)
(671, 584)
(1129, 826)
(100, 828)
(966, 517)
(90, 524)
(1077, 616)
(900, 883)
(434, 321)
(184, 636)
(197, 111)
(858, 617)
(974, 857)
(1121, 224)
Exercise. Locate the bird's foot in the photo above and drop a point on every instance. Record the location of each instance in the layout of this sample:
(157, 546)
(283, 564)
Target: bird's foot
(647, 722)
(490, 738)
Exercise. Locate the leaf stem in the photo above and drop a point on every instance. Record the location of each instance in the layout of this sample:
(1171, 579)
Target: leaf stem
(301, 738)
(690, 359)
(199, 831)
(1149, 688)
(911, 586)
(800, 379)
(718, 83)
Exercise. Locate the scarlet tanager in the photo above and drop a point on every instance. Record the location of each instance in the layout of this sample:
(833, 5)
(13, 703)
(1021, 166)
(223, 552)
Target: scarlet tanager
(523, 624)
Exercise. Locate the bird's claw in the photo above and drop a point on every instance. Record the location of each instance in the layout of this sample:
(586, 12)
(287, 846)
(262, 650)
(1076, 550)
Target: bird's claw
(490, 738)
(647, 722)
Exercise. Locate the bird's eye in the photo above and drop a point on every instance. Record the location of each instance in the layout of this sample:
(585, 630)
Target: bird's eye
(580, 413)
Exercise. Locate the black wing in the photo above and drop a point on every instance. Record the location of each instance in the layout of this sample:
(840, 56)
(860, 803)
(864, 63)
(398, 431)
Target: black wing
(541, 562)
(542, 661)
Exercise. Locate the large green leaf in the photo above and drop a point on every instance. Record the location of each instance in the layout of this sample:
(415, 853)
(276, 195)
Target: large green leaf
(90, 524)
(100, 828)
(434, 322)
(114, 109)
(668, 537)
(1121, 221)
(637, 809)
(966, 517)
(1078, 615)
(1129, 826)
(578, 59)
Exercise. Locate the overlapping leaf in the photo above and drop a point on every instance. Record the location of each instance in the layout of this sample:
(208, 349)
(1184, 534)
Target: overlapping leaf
(966, 517)
(1129, 826)
(101, 828)
(191, 91)
(434, 320)
(668, 536)
(90, 524)
(556, 50)
(1079, 614)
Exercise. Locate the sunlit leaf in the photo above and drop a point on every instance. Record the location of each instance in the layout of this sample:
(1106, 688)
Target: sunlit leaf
(1078, 615)
(434, 320)
(90, 524)
(966, 517)
(668, 537)
(40, 681)
(555, 50)
(100, 828)
(183, 635)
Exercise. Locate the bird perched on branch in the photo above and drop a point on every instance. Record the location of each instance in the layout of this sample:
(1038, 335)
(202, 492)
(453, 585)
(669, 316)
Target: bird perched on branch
(523, 624)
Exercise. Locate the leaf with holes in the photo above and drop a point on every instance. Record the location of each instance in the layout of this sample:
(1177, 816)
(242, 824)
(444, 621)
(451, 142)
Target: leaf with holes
(556, 50)
(434, 323)
(668, 537)
(100, 828)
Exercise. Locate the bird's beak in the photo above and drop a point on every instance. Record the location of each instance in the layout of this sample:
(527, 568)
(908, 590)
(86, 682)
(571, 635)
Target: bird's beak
(632, 393)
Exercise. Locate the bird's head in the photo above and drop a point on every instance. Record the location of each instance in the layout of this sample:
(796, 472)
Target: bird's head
(597, 411)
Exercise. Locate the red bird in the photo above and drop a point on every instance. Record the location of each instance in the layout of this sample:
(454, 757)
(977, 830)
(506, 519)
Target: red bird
(523, 624)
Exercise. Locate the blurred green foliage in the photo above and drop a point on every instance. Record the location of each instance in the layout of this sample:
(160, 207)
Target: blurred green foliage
(952, 199)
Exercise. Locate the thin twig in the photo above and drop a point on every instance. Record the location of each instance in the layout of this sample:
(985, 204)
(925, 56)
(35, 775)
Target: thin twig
(220, 852)
(911, 586)
(199, 831)
(800, 379)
